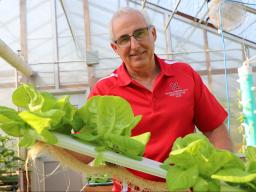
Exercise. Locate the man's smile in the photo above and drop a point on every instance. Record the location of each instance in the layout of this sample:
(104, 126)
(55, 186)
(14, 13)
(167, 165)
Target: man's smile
(137, 54)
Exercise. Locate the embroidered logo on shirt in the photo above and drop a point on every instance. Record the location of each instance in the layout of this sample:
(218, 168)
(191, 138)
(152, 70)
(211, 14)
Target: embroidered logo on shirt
(176, 90)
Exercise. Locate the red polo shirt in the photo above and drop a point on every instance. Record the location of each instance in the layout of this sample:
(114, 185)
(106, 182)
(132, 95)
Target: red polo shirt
(178, 102)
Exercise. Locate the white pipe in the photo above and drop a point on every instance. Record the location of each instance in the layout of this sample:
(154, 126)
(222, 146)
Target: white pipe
(13, 59)
(145, 165)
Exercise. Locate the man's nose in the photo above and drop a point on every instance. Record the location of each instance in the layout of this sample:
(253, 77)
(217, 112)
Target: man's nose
(134, 43)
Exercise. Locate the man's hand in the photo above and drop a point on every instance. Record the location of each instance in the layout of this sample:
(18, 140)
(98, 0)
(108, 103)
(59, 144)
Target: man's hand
(219, 137)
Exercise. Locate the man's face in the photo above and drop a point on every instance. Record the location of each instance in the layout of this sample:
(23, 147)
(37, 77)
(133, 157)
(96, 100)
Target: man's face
(137, 54)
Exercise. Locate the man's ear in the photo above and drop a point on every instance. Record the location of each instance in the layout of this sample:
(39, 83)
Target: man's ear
(114, 47)
(154, 33)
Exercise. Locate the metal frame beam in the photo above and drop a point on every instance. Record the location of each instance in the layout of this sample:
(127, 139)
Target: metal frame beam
(192, 20)
(56, 45)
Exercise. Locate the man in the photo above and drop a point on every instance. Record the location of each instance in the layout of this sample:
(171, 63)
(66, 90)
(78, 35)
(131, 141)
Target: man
(170, 96)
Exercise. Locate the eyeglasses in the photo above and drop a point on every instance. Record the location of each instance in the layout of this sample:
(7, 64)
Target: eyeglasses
(138, 34)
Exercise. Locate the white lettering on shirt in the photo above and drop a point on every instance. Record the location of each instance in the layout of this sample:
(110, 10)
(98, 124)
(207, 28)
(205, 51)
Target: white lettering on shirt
(176, 90)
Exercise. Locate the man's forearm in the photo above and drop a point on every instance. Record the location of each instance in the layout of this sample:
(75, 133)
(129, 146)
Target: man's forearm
(220, 138)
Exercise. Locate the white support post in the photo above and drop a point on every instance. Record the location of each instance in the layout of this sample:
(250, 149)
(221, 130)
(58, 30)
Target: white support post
(14, 60)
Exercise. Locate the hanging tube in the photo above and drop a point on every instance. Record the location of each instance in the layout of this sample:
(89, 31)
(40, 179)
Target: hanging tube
(248, 103)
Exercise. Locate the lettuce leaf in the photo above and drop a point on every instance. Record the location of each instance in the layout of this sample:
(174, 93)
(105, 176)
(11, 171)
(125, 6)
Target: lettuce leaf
(108, 122)
(214, 166)
(105, 121)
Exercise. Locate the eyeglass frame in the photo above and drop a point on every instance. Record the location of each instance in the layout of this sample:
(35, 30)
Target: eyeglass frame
(146, 28)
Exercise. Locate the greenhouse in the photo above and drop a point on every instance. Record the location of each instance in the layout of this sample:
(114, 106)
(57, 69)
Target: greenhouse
(127, 95)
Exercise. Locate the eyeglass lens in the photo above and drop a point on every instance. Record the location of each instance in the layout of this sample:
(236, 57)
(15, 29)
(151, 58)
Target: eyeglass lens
(138, 34)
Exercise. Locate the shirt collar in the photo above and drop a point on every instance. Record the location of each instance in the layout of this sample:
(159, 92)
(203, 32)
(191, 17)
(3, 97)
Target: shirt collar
(125, 78)
(165, 66)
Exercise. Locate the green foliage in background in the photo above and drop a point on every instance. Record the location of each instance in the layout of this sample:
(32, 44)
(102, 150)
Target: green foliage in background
(9, 162)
